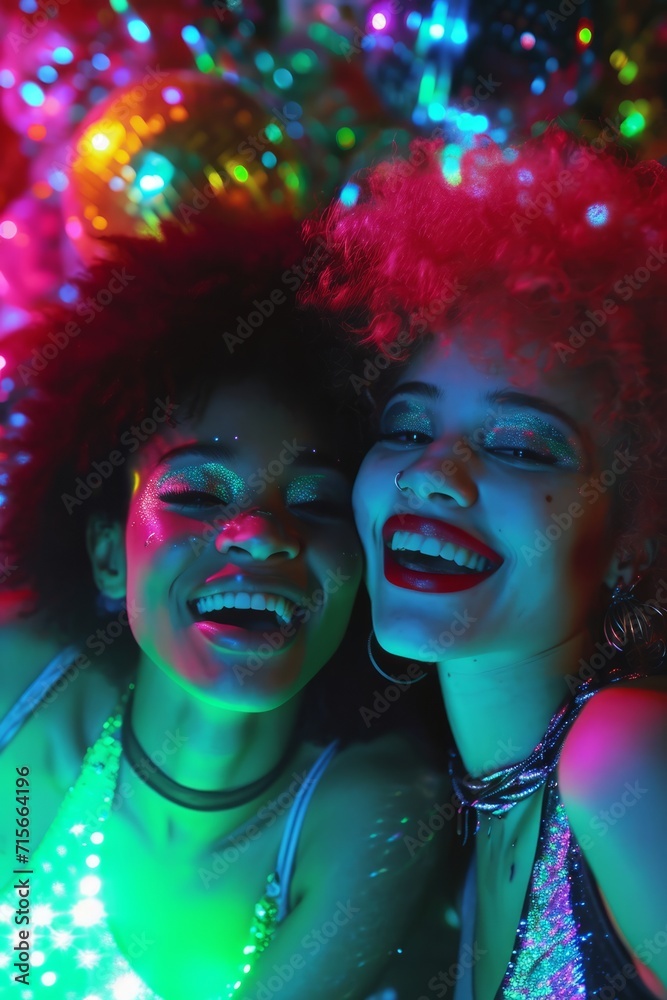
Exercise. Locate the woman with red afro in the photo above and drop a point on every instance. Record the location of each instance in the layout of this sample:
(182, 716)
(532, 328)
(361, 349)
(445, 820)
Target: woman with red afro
(513, 512)
(188, 823)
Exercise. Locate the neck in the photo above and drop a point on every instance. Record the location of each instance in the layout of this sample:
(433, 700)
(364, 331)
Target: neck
(499, 708)
(200, 745)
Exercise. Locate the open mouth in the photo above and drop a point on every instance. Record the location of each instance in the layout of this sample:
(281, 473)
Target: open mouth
(241, 619)
(426, 555)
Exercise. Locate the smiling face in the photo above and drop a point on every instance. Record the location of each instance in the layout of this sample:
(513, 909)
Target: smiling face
(500, 536)
(242, 558)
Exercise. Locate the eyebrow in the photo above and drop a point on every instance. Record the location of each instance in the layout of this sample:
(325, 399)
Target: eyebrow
(521, 399)
(225, 453)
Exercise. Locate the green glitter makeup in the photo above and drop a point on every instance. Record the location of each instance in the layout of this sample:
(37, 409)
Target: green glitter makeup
(210, 477)
(529, 432)
(304, 489)
(406, 417)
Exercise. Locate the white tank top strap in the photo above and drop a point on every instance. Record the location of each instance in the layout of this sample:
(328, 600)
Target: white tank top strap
(35, 693)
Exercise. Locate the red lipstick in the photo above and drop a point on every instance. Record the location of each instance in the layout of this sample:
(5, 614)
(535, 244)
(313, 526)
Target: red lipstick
(434, 583)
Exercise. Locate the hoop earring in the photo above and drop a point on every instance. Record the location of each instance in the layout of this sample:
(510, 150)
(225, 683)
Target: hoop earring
(379, 669)
(628, 627)
(403, 489)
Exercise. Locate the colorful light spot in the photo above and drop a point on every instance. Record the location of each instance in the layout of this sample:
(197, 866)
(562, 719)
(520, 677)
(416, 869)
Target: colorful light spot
(90, 885)
(190, 34)
(628, 72)
(538, 85)
(437, 31)
(459, 35)
(283, 78)
(7, 78)
(585, 35)
(618, 59)
(48, 978)
(269, 159)
(138, 30)
(87, 912)
(349, 194)
(379, 21)
(597, 214)
(633, 124)
(8, 230)
(100, 61)
(100, 141)
(172, 95)
(273, 133)
(345, 137)
(413, 20)
(527, 40)
(97, 837)
(240, 173)
(120, 6)
(47, 74)
(99, 223)
(264, 62)
(32, 94)
(62, 55)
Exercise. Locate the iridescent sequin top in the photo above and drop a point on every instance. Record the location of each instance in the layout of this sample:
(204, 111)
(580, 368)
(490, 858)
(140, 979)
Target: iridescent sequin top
(565, 945)
(73, 952)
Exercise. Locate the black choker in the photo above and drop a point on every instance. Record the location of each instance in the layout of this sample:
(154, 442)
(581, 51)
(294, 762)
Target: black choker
(194, 798)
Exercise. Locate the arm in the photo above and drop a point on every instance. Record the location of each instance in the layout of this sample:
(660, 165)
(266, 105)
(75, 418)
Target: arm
(613, 781)
(364, 864)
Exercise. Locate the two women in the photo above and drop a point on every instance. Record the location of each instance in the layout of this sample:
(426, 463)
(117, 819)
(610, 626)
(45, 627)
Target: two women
(190, 835)
(513, 515)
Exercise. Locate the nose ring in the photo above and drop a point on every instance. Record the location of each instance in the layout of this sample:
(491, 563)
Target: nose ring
(398, 485)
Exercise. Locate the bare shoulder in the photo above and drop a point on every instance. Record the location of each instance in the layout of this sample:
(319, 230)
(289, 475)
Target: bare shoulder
(623, 726)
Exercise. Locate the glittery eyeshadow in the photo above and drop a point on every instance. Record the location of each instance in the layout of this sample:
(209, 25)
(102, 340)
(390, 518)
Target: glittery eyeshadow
(304, 489)
(209, 477)
(406, 417)
(530, 431)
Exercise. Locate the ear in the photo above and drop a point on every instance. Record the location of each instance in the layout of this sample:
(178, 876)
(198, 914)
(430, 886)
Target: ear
(105, 542)
(627, 566)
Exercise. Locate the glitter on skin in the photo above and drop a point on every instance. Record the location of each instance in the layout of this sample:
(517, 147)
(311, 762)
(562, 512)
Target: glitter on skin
(407, 417)
(527, 430)
(209, 477)
(304, 489)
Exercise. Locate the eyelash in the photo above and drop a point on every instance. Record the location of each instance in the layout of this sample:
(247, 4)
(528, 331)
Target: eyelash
(527, 454)
(184, 498)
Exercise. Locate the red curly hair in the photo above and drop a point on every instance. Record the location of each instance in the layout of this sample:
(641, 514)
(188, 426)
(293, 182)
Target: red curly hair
(559, 244)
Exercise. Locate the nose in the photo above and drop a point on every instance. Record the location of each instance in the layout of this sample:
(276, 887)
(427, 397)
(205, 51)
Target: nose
(436, 475)
(258, 534)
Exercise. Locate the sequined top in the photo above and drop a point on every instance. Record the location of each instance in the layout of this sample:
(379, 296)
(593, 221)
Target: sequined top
(565, 945)
(72, 947)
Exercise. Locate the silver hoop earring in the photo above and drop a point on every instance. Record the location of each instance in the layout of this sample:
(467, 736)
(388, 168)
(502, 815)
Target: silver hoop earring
(628, 626)
(398, 475)
(394, 680)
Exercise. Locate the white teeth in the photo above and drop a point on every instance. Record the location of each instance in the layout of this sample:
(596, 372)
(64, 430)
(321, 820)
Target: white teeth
(433, 547)
(447, 551)
(282, 606)
(461, 555)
